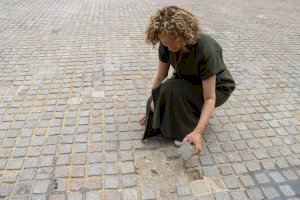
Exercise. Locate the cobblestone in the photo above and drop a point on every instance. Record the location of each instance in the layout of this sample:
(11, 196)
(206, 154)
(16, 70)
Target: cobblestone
(238, 195)
(129, 180)
(71, 95)
(232, 182)
(183, 190)
(222, 196)
(130, 193)
(277, 177)
(41, 186)
(270, 192)
(148, 192)
(255, 194)
(111, 182)
(287, 190)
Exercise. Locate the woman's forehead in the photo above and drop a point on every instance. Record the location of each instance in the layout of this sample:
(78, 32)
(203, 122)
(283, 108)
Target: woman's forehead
(165, 36)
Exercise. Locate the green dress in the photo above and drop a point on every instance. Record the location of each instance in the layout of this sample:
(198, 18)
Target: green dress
(179, 100)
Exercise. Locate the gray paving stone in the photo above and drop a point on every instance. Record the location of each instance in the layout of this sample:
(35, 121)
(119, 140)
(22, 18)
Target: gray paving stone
(39, 197)
(94, 170)
(262, 178)
(27, 174)
(227, 147)
(239, 168)
(14, 164)
(148, 192)
(290, 175)
(183, 189)
(268, 164)
(43, 173)
(285, 151)
(202, 197)
(41, 186)
(130, 193)
(129, 180)
(226, 170)
(69, 96)
(127, 167)
(206, 160)
(110, 169)
(2, 164)
(79, 159)
(126, 156)
(234, 157)
(219, 158)
(293, 160)
(111, 157)
(255, 194)
(210, 171)
(65, 149)
(74, 196)
(93, 195)
(5, 190)
(287, 190)
(222, 196)
(63, 160)
(214, 148)
(270, 192)
(46, 161)
(232, 182)
(19, 152)
(171, 153)
(61, 171)
(238, 195)
(247, 155)
(261, 154)
(112, 194)
(77, 171)
(94, 183)
(95, 158)
(281, 163)
(247, 181)
(76, 184)
(253, 166)
(49, 150)
(277, 177)
(10, 176)
(111, 182)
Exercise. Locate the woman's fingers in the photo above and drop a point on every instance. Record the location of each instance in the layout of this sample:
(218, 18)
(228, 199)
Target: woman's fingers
(184, 139)
(142, 120)
(188, 137)
(197, 149)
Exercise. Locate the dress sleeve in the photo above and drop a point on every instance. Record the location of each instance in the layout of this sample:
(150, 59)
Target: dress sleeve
(212, 61)
(163, 53)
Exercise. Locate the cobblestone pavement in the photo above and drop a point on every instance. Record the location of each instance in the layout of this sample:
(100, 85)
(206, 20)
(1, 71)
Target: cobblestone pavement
(75, 75)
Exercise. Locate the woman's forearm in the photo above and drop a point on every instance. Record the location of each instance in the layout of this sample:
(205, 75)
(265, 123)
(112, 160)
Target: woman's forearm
(156, 82)
(207, 110)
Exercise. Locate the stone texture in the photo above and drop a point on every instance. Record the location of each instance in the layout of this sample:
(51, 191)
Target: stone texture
(71, 95)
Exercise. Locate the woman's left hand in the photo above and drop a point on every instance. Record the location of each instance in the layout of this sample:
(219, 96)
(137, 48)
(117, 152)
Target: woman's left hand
(196, 139)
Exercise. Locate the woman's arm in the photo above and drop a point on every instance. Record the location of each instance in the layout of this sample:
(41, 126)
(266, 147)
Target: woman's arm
(162, 73)
(209, 95)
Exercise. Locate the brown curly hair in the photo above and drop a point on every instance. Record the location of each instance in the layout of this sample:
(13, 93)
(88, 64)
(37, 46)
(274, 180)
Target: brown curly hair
(175, 22)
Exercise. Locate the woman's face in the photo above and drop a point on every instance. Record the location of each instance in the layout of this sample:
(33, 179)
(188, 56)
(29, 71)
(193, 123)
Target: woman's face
(173, 44)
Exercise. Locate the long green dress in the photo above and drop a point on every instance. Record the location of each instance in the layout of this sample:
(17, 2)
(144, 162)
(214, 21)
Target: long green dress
(179, 100)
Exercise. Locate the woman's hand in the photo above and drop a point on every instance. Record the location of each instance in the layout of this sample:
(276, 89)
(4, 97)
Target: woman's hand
(194, 137)
(142, 121)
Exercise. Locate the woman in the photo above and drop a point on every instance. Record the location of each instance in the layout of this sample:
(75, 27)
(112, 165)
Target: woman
(180, 107)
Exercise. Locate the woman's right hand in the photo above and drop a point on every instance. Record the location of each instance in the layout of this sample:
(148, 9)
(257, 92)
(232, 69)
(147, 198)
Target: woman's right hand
(142, 121)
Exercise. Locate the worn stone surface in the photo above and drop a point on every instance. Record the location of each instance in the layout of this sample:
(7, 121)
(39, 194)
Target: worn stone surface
(75, 77)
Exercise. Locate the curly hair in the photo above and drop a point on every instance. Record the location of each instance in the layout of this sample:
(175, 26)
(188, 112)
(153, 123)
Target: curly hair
(175, 22)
